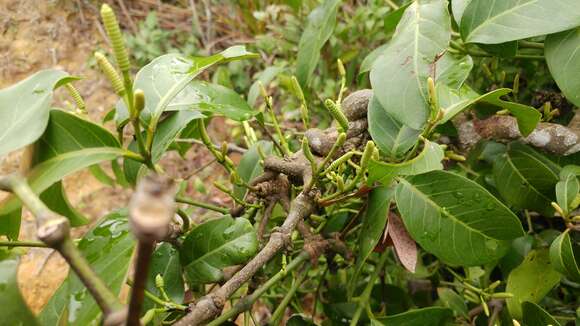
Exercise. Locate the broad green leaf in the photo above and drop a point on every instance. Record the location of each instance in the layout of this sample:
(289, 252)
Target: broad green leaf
(370, 59)
(216, 244)
(525, 178)
(428, 160)
(250, 166)
(399, 75)
(45, 174)
(452, 104)
(453, 301)
(502, 50)
(432, 316)
(393, 18)
(67, 132)
(373, 225)
(55, 198)
(509, 20)
(108, 248)
(392, 137)
(530, 281)
(166, 81)
(563, 59)
(14, 309)
(319, 27)
(165, 262)
(534, 315)
(165, 134)
(565, 255)
(453, 70)
(455, 218)
(24, 109)
(567, 190)
(458, 7)
(453, 101)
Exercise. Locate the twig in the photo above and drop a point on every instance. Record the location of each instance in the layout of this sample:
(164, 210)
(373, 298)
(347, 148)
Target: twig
(279, 312)
(11, 244)
(391, 4)
(54, 231)
(247, 302)
(184, 200)
(151, 210)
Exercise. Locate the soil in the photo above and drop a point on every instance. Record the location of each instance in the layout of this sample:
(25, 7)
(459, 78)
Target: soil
(37, 35)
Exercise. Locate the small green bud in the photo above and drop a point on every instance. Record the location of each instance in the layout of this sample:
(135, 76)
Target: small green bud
(341, 69)
(297, 89)
(502, 295)
(110, 73)
(337, 114)
(159, 281)
(138, 101)
(115, 36)
(367, 154)
(262, 90)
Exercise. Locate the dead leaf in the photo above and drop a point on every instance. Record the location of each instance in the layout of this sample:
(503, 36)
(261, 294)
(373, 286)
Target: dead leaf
(405, 246)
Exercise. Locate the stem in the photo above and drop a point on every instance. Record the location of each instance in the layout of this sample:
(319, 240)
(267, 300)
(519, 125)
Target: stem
(12, 244)
(144, 253)
(279, 312)
(530, 45)
(185, 200)
(363, 300)
(391, 4)
(107, 300)
(247, 302)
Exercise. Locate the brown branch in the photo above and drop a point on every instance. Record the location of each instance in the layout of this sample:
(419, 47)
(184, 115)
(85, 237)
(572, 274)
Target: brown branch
(551, 137)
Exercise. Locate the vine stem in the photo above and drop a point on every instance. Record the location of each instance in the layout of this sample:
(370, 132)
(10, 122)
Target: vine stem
(247, 302)
(32, 244)
(279, 312)
(54, 231)
(189, 201)
(363, 300)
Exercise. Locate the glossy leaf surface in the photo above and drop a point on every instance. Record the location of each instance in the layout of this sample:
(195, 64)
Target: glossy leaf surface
(563, 58)
(319, 27)
(508, 20)
(24, 109)
(108, 248)
(455, 218)
(399, 75)
(530, 281)
(216, 244)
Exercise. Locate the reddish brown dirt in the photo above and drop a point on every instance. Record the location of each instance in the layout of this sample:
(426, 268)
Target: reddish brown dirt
(37, 35)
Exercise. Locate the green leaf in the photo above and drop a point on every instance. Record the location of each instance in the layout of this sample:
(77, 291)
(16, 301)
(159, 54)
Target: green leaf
(453, 70)
(24, 109)
(527, 116)
(318, 29)
(45, 174)
(399, 75)
(564, 255)
(169, 129)
(264, 77)
(428, 160)
(453, 301)
(250, 166)
(534, 315)
(458, 8)
(108, 248)
(392, 137)
(563, 60)
(393, 18)
(509, 20)
(216, 244)
(14, 309)
(530, 281)
(373, 225)
(370, 59)
(525, 178)
(55, 198)
(432, 316)
(166, 81)
(455, 218)
(165, 262)
(567, 189)
(502, 50)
